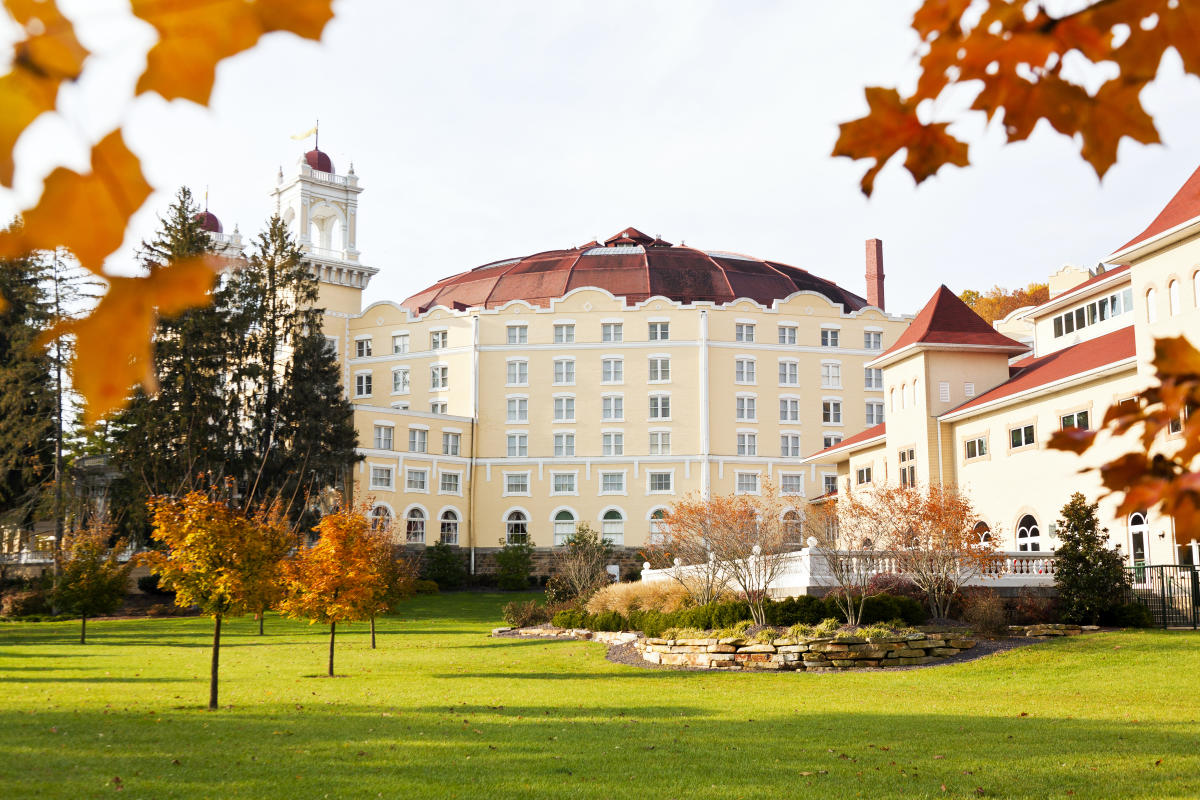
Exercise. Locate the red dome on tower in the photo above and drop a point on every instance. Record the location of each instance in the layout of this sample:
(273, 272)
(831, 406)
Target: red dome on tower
(630, 265)
(209, 222)
(318, 161)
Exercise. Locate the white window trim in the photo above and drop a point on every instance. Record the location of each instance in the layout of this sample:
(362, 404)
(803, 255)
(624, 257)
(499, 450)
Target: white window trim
(391, 468)
(600, 484)
(425, 471)
(358, 373)
(528, 487)
(459, 493)
(799, 475)
(758, 482)
(659, 419)
(558, 432)
(554, 493)
(611, 395)
(657, 471)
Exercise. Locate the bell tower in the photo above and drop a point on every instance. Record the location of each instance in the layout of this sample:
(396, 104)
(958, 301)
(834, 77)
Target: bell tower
(321, 209)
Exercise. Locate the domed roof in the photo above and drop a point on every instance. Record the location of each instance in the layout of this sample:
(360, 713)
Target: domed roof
(318, 161)
(209, 222)
(630, 265)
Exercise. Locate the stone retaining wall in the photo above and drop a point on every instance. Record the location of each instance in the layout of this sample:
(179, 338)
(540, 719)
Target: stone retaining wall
(1048, 631)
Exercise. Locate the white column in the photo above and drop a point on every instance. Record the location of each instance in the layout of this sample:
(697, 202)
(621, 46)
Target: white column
(704, 390)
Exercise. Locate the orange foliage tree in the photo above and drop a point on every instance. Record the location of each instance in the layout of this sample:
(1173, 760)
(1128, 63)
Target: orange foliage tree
(88, 213)
(1010, 56)
(998, 303)
(398, 576)
(1148, 476)
(92, 580)
(341, 578)
(216, 558)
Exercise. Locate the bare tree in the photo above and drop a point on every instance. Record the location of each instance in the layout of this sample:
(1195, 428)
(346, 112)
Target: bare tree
(581, 562)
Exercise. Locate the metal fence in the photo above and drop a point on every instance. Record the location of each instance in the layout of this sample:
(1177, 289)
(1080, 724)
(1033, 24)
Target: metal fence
(1170, 592)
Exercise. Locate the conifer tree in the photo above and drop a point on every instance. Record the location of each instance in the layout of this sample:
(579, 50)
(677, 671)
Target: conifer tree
(1090, 577)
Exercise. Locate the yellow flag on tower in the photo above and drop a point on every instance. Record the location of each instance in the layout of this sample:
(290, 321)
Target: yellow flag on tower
(304, 135)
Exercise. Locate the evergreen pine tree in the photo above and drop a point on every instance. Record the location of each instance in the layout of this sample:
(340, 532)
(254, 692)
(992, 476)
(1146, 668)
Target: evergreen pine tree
(1090, 577)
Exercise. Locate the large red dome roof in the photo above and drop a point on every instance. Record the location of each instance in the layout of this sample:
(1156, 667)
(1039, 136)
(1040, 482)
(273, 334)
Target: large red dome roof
(630, 265)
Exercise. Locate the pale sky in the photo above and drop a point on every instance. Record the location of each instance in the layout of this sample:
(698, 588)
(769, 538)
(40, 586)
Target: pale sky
(484, 130)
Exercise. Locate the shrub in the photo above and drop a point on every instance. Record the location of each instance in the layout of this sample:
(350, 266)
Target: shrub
(1035, 609)
(581, 561)
(572, 618)
(735, 631)
(633, 573)
(607, 621)
(895, 585)
(160, 610)
(558, 591)
(1131, 615)
(24, 603)
(665, 596)
(425, 587)
(514, 565)
(444, 566)
(792, 610)
(150, 584)
(983, 610)
(1090, 577)
(883, 630)
(684, 633)
(522, 615)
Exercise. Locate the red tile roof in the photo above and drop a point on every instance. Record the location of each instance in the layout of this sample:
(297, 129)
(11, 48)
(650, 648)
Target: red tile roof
(1094, 279)
(858, 438)
(632, 265)
(1183, 207)
(1032, 373)
(947, 320)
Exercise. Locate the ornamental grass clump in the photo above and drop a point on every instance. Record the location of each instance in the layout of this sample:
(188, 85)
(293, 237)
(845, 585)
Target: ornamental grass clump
(735, 631)
(684, 633)
(662, 596)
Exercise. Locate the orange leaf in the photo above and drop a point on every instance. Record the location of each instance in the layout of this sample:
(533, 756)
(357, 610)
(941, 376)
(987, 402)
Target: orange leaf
(1117, 113)
(1064, 105)
(112, 348)
(194, 35)
(1075, 440)
(86, 214)
(1176, 357)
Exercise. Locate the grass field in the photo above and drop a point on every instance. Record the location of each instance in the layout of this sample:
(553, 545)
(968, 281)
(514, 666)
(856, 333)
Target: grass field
(441, 710)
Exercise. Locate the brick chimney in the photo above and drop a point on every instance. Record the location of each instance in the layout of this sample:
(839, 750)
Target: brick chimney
(875, 272)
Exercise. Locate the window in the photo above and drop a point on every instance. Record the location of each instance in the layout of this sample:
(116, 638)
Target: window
(969, 390)
(789, 445)
(439, 378)
(612, 370)
(747, 483)
(983, 531)
(400, 382)
(563, 483)
(831, 376)
(862, 475)
(874, 412)
(747, 444)
(873, 340)
(747, 409)
(791, 484)
(660, 406)
(449, 527)
(564, 409)
(518, 409)
(1021, 437)
(612, 482)
(793, 527)
(564, 334)
(414, 527)
(450, 443)
(787, 334)
(383, 437)
(612, 527)
(381, 518)
(362, 348)
(400, 406)
(331, 347)
(1078, 419)
(829, 483)
(439, 407)
(1151, 305)
(660, 443)
(516, 483)
(415, 480)
(1173, 297)
(872, 378)
(829, 337)
(830, 439)
(660, 370)
(944, 391)
(564, 371)
(449, 483)
(518, 334)
(743, 370)
(658, 526)
(518, 373)
(612, 407)
(1195, 290)
(516, 528)
(743, 332)
(564, 445)
(518, 445)
(789, 373)
(831, 412)
(908, 467)
(362, 385)
(438, 339)
(564, 527)
(612, 443)
(400, 343)
(660, 331)
(611, 332)
(1028, 534)
(976, 447)
(660, 482)
(789, 410)
(381, 477)
(418, 440)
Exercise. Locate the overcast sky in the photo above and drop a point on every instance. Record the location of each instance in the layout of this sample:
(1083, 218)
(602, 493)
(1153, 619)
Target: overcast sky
(486, 130)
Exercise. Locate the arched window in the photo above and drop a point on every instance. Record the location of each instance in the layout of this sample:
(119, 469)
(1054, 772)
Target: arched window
(1151, 305)
(1196, 289)
(612, 527)
(516, 528)
(905, 395)
(983, 531)
(449, 527)
(564, 526)
(1139, 531)
(414, 527)
(867, 543)
(658, 526)
(1173, 297)
(792, 527)
(1028, 535)
(381, 518)
(892, 398)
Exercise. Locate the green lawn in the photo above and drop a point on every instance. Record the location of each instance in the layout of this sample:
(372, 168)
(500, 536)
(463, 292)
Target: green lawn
(441, 710)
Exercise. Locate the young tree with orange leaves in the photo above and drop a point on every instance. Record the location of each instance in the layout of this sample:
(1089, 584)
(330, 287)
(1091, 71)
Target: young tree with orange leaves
(92, 580)
(398, 576)
(341, 578)
(217, 558)
(264, 586)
